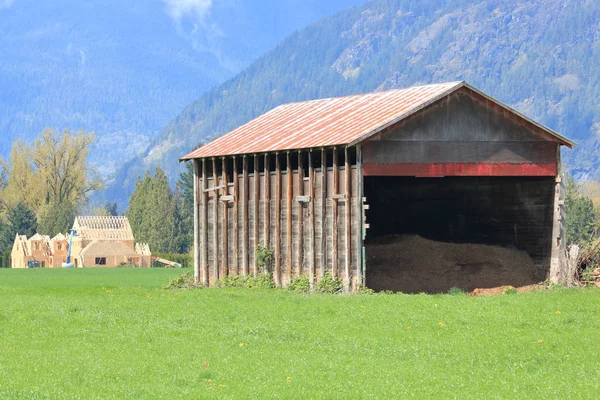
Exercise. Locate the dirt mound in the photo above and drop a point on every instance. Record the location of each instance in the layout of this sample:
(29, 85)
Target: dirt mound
(504, 289)
(413, 264)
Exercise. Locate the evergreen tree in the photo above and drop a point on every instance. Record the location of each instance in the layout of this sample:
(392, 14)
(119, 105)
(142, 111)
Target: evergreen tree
(185, 209)
(112, 209)
(19, 219)
(581, 220)
(152, 212)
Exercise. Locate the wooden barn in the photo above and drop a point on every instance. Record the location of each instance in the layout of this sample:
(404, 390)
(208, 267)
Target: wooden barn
(409, 190)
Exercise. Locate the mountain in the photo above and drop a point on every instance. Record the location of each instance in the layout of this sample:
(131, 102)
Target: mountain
(125, 68)
(543, 58)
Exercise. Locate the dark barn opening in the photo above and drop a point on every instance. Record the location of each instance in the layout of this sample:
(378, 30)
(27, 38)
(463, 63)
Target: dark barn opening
(432, 234)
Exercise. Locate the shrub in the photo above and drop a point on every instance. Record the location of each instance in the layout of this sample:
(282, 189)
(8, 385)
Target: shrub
(230, 281)
(510, 290)
(360, 290)
(300, 284)
(184, 281)
(264, 258)
(329, 284)
(260, 282)
(454, 291)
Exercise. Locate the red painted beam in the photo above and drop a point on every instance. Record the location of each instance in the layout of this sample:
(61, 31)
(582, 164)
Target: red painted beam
(459, 169)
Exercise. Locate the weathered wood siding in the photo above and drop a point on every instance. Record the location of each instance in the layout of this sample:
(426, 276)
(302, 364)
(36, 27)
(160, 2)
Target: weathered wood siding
(460, 136)
(308, 225)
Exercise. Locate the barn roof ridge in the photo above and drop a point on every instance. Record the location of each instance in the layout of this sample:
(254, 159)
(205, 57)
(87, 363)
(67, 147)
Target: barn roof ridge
(339, 121)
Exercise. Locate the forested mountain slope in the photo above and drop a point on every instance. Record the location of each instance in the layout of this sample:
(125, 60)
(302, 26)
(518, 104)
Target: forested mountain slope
(125, 68)
(541, 57)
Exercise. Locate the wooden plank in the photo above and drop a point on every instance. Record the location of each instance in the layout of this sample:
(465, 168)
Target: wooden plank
(267, 201)
(277, 220)
(228, 198)
(300, 253)
(323, 211)
(290, 187)
(256, 209)
(214, 188)
(196, 221)
(303, 199)
(334, 230)
(216, 222)
(245, 234)
(347, 208)
(224, 237)
(236, 234)
(204, 227)
(311, 205)
(360, 216)
(459, 169)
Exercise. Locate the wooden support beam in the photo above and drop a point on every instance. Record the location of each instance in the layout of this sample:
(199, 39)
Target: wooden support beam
(300, 253)
(196, 221)
(323, 211)
(224, 238)
(348, 209)
(236, 234)
(360, 218)
(290, 187)
(334, 230)
(277, 220)
(267, 201)
(217, 265)
(256, 209)
(204, 226)
(311, 226)
(246, 217)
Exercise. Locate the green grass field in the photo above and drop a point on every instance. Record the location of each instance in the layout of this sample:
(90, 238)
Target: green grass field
(115, 334)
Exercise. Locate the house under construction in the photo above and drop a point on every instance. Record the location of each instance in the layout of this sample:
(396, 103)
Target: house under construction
(411, 190)
(98, 241)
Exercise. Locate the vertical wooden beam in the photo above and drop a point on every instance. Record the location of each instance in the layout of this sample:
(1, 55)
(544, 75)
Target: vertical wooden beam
(348, 209)
(196, 221)
(267, 201)
(224, 238)
(323, 211)
(360, 218)
(217, 266)
(204, 225)
(311, 210)
(256, 209)
(236, 233)
(334, 229)
(300, 253)
(246, 217)
(290, 191)
(277, 220)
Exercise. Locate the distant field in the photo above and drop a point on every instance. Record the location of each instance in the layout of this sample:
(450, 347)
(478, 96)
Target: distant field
(115, 334)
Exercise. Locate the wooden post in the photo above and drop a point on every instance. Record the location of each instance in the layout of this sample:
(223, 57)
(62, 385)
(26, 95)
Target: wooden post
(323, 211)
(256, 209)
(558, 255)
(245, 235)
(348, 209)
(225, 242)
(277, 220)
(334, 230)
(236, 234)
(267, 200)
(217, 266)
(204, 226)
(311, 210)
(290, 191)
(359, 217)
(196, 221)
(300, 215)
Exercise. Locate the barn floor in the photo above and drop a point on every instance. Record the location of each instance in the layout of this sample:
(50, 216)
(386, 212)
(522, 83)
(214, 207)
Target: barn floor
(412, 264)
(432, 234)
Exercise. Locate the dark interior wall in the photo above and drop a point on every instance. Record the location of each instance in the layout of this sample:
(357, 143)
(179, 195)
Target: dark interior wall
(505, 211)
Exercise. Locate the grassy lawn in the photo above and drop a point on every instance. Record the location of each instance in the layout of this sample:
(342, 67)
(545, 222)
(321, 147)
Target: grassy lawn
(115, 334)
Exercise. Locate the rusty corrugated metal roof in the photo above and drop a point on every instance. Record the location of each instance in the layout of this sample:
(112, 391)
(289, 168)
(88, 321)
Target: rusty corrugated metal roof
(331, 122)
